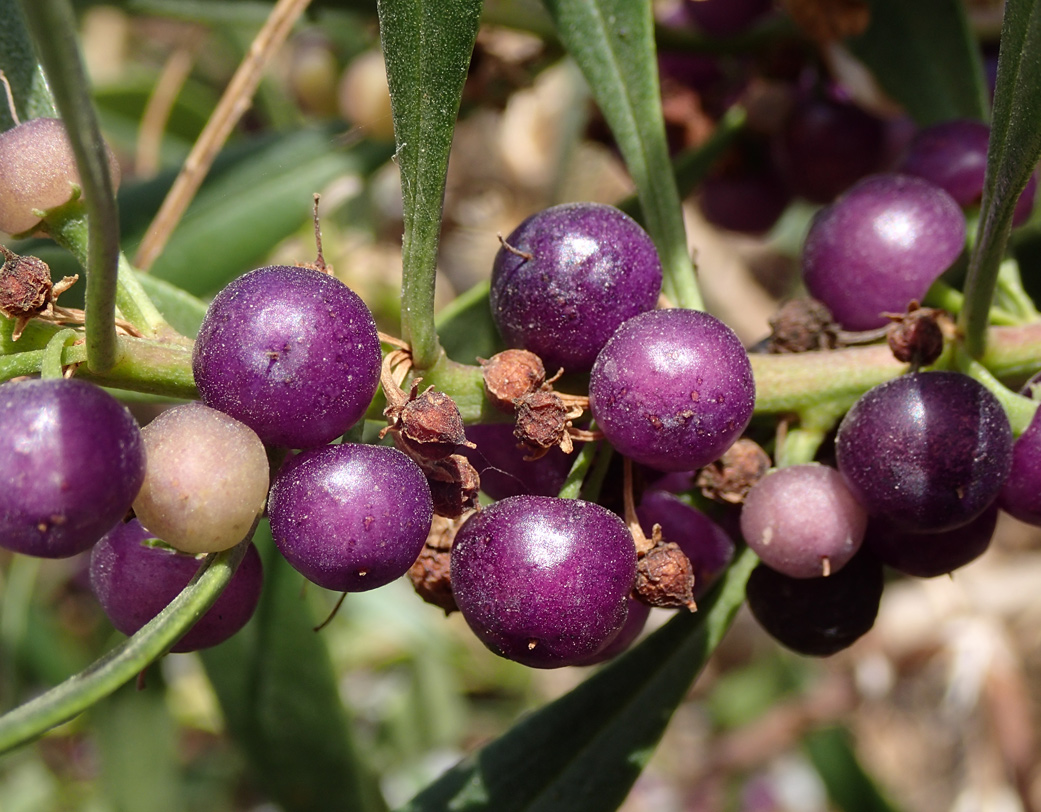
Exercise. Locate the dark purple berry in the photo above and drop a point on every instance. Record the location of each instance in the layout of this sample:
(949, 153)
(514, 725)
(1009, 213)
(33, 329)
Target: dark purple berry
(567, 277)
(1021, 494)
(817, 616)
(927, 452)
(350, 517)
(879, 246)
(291, 352)
(745, 199)
(726, 18)
(953, 155)
(500, 461)
(927, 555)
(672, 389)
(71, 463)
(543, 581)
(704, 542)
(134, 578)
(634, 624)
(803, 521)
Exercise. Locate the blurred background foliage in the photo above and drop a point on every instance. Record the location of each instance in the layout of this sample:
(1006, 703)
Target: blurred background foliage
(935, 709)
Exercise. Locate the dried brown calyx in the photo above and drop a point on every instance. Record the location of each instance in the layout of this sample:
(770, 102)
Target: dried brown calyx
(26, 290)
(731, 477)
(916, 337)
(430, 574)
(454, 484)
(665, 577)
(511, 375)
(544, 420)
(802, 325)
(827, 21)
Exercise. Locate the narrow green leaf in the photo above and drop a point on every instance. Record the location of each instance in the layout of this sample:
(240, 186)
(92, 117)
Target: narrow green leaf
(924, 55)
(613, 43)
(466, 327)
(53, 27)
(278, 692)
(427, 45)
(1015, 147)
(584, 751)
(849, 786)
(32, 98)
(65, 701)
(183, 311)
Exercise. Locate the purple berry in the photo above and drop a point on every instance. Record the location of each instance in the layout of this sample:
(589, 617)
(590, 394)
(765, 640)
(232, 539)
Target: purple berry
(635, 620)
(37, 172)
(291, 352)
(570, 276)
(953, 155)
(927, 555)
(72, 461)
(726, 18)
(504, 471)
(672, 389)
(1021, 494)
(928, 451)
(827, 145)
(134, 578)
(803, 521)
(350, 517)
(879, 246)
(817, 616)
(745, 199)
(543, 581)
(703, 541)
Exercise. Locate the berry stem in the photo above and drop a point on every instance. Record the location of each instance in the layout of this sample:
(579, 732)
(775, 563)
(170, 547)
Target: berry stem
(65, 701)
(572, 487)
(1020, 409)
(943, 296)
(51, 366)
(53, 29)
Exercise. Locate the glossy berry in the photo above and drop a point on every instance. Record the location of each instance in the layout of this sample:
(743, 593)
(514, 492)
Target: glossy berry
(803, 521)
(953, 155)
(879, 246)
(291, 352)
(635, 621)
(927, 555)
(817, 616)
(134, 578)
(704, 542)
(672, 389)
(350, 517)
(1021, 494)
(71, 462)
(927, 451)
(543, 581)
(206, 479)
(37, 171)
(570, 276)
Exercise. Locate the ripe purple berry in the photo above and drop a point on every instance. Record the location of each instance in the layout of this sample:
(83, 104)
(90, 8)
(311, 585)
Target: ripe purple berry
(71, 462)
(567, 277)
(672, 389)
(927, 452)
(543, 581)
(879, 246)
(134, 578)
(350, 517)
(291, 352)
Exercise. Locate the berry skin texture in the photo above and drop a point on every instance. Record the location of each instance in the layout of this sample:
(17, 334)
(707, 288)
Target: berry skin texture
(134, 580)
(291, 352)
(803, 521)
(71, 462)
(350, 517)
(1021, 494)
(37, 168)
(927, 452)
(575, 273)
(880, 245)
(206, 479)
(672, 389)
(544, 581)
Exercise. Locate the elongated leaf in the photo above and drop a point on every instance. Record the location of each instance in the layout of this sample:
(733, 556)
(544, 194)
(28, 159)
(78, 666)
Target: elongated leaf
(613, 43)
(427, 45)
(184, 311)
(279, 695)
(924, 56)
(851, 789)
(244, 212)
(32, 98)
(584, 751)
(1015, 147)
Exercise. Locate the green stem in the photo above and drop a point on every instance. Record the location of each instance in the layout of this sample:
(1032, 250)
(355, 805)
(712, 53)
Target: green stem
(50, 365)
(65, 701)
(943, 296)
(53, 27)
(799, 446)
(1020, 409)
(572, 487)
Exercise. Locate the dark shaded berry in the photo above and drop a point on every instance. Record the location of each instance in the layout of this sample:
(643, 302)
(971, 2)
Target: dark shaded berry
(927, 555)
(505, 466)
(1021, 494)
